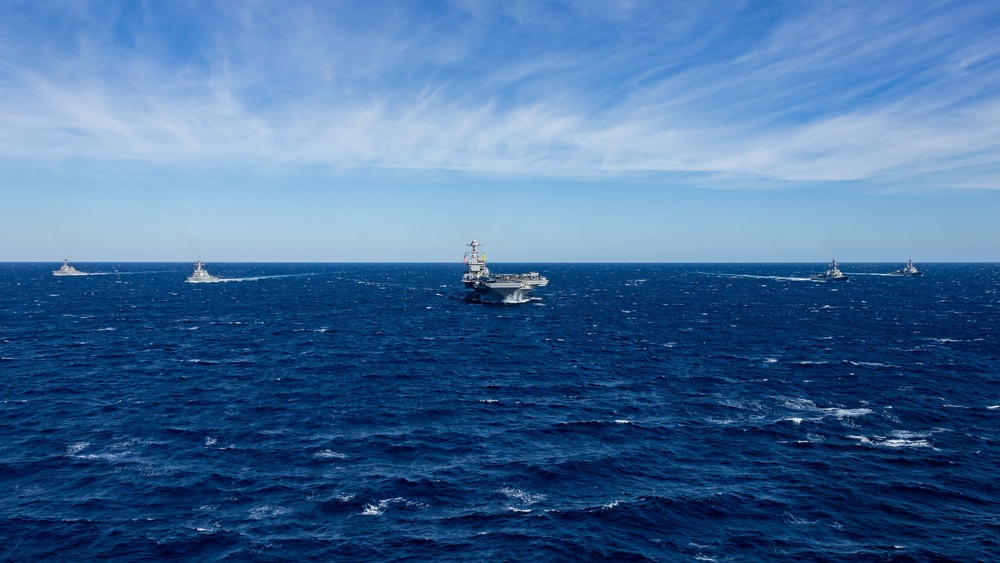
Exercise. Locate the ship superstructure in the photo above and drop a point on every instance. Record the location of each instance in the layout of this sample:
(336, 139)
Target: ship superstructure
(497, 288)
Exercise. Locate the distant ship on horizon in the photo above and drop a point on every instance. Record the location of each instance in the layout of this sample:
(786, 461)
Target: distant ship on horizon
(497, 288)
(832, 273)
(201, 275)
(908, 270)
(67, 270)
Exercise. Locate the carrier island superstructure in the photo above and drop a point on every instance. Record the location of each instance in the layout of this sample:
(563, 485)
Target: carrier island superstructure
(497, 288)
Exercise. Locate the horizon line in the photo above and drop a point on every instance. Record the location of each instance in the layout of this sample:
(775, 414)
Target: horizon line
(429, 262)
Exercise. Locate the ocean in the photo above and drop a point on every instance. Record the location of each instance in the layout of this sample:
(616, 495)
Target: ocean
(628, 412)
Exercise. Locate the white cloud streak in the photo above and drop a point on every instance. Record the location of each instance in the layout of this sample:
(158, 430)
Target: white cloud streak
(883, 94)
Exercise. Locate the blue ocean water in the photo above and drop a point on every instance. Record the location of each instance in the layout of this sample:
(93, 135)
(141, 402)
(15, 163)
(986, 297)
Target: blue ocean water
(368, 412)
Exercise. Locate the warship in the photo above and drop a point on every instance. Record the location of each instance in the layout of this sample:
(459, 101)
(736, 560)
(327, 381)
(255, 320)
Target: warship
(908, 270)
(201, 275)
(832, 273)
(497, 288)
(67, 270)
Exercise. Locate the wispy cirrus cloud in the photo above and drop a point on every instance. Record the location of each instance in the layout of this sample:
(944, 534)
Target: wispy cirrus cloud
(823, 92)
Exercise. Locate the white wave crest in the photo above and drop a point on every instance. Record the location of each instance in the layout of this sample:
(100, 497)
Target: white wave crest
(806, 405)
(76, 448)
(846, 413)
(267, 511)
(380, 507)
(329, 454)
(525, 497)
(883, 442)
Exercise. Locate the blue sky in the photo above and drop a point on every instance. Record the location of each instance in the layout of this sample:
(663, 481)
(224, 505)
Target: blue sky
(550, 131)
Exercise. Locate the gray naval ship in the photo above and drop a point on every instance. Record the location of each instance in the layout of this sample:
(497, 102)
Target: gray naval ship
(908, 270)
(833, 273)
(67, 270)
(497, 288)
(201, 275)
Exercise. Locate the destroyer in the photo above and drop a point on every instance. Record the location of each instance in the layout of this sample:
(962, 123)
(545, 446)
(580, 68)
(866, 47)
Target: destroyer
(908, 270)
(67, 270)
(833, 273)
(201, 275)
(497, 288)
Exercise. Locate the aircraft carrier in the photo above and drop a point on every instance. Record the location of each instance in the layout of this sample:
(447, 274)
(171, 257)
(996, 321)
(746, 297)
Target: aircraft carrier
(497, 288)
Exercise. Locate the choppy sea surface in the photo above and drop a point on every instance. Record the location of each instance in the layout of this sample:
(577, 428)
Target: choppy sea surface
(368, 412)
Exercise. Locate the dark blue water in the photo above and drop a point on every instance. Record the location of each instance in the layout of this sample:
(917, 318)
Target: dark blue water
(368, 412)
